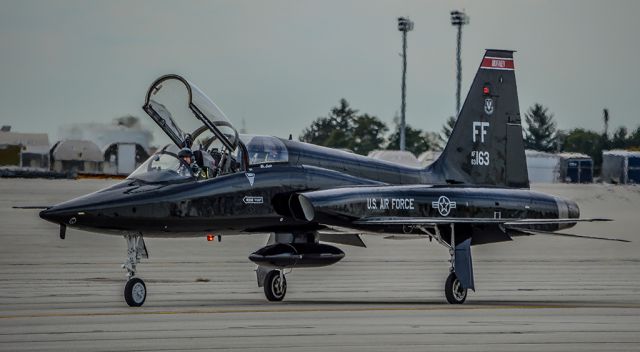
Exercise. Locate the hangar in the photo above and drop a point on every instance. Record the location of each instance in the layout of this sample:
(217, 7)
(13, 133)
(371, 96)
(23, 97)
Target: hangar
(24, 150)
(76, 156)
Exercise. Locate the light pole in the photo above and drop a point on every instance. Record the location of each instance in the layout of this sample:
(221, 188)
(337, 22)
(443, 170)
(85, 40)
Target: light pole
(458, 19)
(404, 25)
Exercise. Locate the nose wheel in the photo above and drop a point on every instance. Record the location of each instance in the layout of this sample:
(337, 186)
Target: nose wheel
(275, 285)
(135, 292)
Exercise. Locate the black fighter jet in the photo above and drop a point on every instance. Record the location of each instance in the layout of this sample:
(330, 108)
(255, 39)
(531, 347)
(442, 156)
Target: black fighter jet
(213, 181)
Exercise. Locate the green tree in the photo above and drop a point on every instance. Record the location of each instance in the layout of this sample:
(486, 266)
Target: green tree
(368, 134)
(619, 140)
(416, 141)
(633, 142)
(334, 130)
(584, 141)
(344, 128)
(447, 128)
(540, 133)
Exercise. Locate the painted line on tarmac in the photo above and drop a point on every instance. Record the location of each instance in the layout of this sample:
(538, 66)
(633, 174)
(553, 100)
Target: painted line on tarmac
(306, 310)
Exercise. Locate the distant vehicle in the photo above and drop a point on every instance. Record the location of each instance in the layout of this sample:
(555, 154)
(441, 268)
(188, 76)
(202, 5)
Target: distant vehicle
(305, 195)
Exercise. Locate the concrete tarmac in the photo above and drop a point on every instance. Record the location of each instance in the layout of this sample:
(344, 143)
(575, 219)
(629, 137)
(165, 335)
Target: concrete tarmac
(533, 294)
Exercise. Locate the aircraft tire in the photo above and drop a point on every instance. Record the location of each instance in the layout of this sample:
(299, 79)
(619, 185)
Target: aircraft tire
(135, 292)
(453, 290)
(272, 289)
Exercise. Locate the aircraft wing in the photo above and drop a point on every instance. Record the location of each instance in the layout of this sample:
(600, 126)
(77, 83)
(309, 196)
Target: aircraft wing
(530, 232)
(518, 225)
(443, 221)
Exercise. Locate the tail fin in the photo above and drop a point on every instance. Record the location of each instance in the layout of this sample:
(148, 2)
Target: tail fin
(486, 146)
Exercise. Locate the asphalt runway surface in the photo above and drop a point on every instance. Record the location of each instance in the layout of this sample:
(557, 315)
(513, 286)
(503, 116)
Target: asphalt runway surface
(533, 294)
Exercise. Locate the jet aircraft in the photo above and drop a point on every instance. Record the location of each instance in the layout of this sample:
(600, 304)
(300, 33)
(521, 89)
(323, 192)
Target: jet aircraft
(305, 196)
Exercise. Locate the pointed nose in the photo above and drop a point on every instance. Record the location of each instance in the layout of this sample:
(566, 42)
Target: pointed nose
(58, 215)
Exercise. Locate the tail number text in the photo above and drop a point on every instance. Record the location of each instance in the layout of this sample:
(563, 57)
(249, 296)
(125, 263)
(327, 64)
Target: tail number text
(480, 158)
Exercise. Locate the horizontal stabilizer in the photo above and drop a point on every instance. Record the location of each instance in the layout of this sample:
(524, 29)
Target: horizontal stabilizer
(538, 232)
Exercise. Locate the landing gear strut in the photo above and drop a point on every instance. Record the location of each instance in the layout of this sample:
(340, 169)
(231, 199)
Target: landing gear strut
(275, 285)
(135, 291)
(455, 288)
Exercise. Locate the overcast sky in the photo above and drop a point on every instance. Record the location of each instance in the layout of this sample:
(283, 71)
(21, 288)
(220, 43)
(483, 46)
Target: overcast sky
(280, 64)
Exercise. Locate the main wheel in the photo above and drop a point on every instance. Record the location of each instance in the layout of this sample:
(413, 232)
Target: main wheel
(453, 290)
(135, 292)
(274, 288)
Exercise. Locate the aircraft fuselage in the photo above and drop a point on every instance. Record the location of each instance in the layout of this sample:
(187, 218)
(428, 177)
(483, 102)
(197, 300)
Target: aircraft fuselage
(259, 201)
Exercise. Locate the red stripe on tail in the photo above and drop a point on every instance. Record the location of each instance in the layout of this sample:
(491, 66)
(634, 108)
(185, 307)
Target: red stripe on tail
(497, 63)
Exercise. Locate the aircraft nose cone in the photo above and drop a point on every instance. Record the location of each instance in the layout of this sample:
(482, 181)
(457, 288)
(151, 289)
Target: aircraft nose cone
(56, 215)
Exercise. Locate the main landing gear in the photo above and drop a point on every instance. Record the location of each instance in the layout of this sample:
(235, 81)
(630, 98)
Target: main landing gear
(460, 277)
(135, 291)
(275, 285)
(453, 290)
(273, 281)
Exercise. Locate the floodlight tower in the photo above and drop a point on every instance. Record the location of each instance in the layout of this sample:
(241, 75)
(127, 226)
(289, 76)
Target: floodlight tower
(458, 19)
(404, 26)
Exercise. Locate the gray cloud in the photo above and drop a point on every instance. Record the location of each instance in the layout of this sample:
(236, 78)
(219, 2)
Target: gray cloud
(280, 64)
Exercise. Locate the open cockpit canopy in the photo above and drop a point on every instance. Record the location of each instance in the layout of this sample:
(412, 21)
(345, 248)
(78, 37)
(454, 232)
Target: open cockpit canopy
(163, 166)
(172, 102)
(192, 120)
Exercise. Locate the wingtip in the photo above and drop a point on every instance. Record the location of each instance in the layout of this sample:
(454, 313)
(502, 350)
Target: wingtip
(31, 207)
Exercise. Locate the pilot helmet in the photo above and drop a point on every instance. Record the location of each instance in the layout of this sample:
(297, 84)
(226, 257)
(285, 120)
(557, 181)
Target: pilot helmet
(185, 152)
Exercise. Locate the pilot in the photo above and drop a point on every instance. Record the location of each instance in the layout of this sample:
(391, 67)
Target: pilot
(186, 155)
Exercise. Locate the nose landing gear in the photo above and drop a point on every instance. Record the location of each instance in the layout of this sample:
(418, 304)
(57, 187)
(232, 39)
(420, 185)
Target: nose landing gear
(135, 291)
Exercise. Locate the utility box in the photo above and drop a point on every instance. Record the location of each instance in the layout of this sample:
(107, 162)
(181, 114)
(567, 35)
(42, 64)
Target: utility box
(576, 168)
(621, 166)
(33, 149)
(10, 155)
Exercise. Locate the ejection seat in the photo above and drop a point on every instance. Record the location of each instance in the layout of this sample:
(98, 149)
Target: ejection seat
(206, 163)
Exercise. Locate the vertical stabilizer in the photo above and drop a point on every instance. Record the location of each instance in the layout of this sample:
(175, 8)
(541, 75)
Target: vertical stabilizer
(486, 145)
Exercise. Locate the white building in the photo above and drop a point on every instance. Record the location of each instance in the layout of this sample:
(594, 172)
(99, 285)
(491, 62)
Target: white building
(621, 166)
(396, 156)
(27, 150)
(124, 143)
(543, 167)
(76, 156)
(427, 158)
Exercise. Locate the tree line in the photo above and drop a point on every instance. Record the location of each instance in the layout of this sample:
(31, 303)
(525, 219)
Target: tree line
(541, 133)
(347, 128)
(361, 133)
